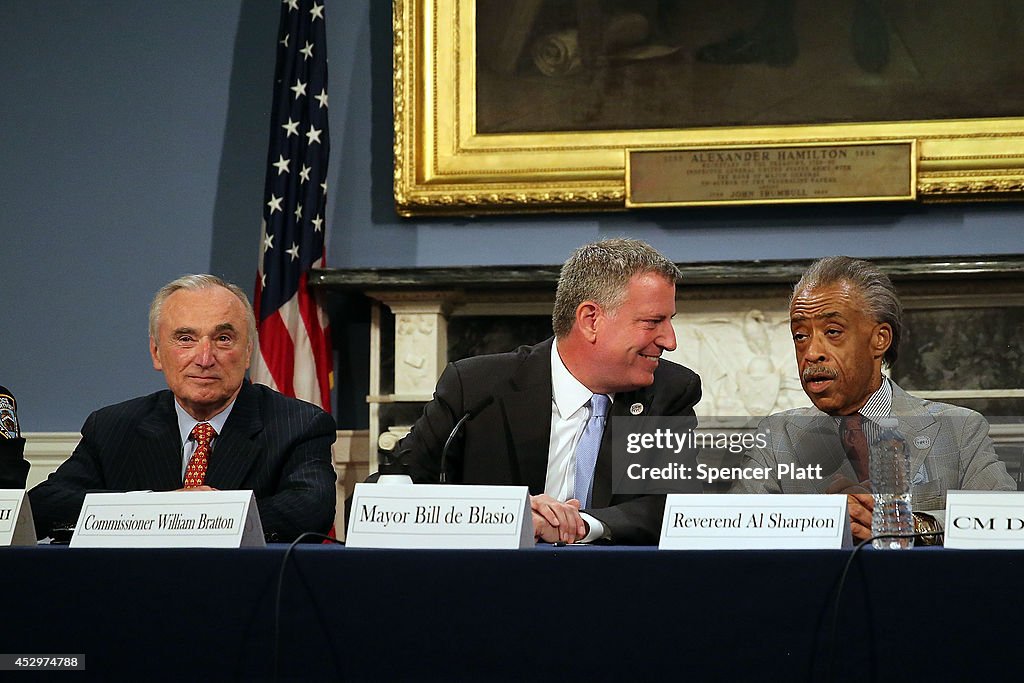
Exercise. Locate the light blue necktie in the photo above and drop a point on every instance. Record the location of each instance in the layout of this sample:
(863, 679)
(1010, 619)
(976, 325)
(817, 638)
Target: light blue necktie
(588, 447)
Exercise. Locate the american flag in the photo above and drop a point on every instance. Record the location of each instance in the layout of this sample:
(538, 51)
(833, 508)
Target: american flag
(294, 340)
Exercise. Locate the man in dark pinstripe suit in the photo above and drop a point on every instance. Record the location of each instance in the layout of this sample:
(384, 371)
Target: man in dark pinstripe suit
(202, 334)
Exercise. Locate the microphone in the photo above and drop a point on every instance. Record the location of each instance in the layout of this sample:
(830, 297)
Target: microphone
(469, 414)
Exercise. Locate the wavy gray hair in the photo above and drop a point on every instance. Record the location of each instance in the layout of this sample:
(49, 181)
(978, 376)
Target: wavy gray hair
(600, 272)
(874, 287)
(195, 283)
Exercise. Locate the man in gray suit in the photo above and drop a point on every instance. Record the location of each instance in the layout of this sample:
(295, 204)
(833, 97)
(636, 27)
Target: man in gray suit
(846, 322)
(211, 429)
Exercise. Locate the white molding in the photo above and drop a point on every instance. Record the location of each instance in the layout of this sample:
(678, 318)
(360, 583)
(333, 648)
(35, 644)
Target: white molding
(352, 465)
(399, 398)
(965, 300)
(45, 451)
(960, 394)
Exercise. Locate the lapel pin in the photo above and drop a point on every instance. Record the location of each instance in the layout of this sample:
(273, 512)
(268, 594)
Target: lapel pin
(636, 408)
(922, 442)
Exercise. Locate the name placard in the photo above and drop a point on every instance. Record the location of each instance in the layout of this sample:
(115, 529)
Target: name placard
(172, 519)
(985, 520)
(440, 516)
(16, 524)
(756, 521)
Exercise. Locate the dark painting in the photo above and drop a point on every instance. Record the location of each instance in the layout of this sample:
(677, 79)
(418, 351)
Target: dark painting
(585, 65)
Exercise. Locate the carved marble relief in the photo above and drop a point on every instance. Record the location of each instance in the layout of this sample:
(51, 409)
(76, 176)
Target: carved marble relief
(421, 341)
(415, 353)
(744, 358)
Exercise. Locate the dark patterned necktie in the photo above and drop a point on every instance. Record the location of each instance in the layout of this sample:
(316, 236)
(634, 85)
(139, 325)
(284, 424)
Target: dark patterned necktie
(855, 443)
(195, 473)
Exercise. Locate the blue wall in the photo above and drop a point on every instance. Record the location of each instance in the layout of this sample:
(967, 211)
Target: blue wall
(133, 137)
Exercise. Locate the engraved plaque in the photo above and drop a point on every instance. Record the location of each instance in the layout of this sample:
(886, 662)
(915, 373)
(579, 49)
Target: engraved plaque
(771, 174)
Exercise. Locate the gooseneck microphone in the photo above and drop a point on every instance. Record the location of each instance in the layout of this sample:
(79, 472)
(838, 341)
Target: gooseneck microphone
(468, 415)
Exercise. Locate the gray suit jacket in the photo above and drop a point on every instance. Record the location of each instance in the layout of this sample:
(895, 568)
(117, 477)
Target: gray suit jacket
(277, 446)
(950, 448)
(507, 442)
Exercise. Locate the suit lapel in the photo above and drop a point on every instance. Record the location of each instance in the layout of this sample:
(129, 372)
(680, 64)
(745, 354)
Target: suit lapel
(601, 496)
(919, 427)
(815, 435)
(235, 450)
(527, 410)
(158, 462)
(816, 441)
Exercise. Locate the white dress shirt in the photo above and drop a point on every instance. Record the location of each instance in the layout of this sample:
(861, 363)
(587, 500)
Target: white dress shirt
(878, 405)
(569, 415)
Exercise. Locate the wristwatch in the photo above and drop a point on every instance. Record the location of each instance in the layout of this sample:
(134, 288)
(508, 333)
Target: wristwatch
(926, 524)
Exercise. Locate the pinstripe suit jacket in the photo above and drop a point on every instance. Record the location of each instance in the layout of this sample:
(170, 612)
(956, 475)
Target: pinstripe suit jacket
(950, 449)
(277, 446)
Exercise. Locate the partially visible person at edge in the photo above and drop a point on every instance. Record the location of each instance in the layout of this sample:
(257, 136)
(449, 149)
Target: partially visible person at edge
(13, 466)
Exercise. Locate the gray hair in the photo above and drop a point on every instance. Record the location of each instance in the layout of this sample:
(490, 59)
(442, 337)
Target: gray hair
(195, 283)
(600, 272)
(874, 287)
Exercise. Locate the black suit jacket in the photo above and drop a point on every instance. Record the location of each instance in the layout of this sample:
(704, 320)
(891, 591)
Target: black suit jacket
(507, 442)
(277, 446)
(13, 466)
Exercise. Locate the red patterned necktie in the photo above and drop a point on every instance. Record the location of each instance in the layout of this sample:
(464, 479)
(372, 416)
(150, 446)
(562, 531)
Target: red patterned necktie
(855, 443)
(195, 474)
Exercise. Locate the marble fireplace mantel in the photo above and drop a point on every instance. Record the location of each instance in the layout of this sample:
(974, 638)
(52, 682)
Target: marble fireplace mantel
(716, 273)
(732, 328)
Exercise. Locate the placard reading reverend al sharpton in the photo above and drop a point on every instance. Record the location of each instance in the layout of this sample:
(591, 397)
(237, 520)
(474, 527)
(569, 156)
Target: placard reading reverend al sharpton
(754, 521)
(16, 526)
(170, 519)
(440, 516)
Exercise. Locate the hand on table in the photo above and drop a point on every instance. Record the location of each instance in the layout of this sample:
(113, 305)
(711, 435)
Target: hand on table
(555, 521)
(859, 504)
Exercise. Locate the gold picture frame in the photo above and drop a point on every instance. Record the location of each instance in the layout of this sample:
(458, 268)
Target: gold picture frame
(444, 165)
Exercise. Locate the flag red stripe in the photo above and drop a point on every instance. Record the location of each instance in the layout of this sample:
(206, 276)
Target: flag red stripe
(278, 352)
(319, 339)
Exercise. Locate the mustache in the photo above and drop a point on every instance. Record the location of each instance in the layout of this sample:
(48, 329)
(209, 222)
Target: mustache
(818, 371)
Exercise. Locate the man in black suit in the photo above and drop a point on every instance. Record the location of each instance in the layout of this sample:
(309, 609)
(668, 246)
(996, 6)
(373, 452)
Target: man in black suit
(13, 466)
(612, 321)
(202, 333)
